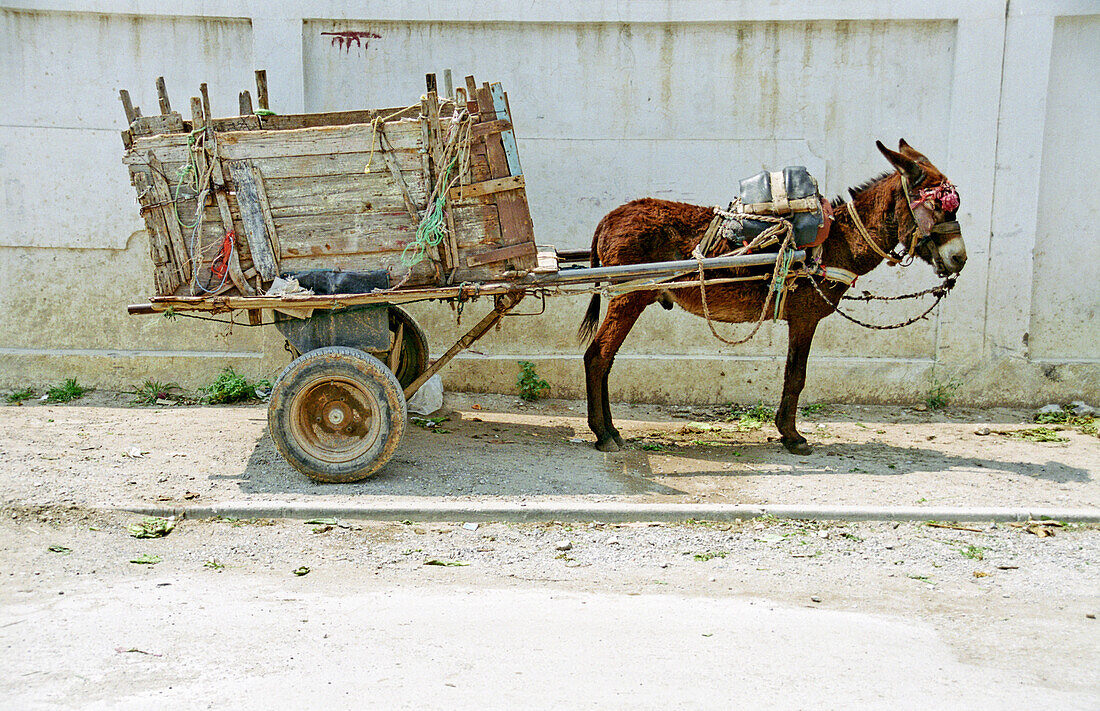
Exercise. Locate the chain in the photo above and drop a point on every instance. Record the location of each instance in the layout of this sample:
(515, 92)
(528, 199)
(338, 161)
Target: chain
(868, 296)
(939, 291)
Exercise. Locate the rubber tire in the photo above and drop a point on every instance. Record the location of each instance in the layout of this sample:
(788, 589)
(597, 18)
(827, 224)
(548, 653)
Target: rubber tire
(414, 349)
(373, 379)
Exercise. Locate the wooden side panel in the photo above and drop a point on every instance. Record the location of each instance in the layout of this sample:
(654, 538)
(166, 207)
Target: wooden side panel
(255, 217)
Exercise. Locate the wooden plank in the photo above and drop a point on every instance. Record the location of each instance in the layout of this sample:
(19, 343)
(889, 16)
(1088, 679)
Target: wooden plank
(252, 205)
(322, 140)
(127, 106)
(507, 138)
(338, 118)
(395, 171)
(244, 103)
(504, 253)
(153, 125)
(207, 113)
(163, 194)
(480, 130)
(353, 193)
(515, 217)
(448, 84)
(343, 234)
(435, 142)
(162, 96)
(261, 88)
(218, 179)
(488, 187)
(430, 83)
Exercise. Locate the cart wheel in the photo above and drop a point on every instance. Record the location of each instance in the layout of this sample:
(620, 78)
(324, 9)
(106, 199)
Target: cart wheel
(337, 414)
(412, 360)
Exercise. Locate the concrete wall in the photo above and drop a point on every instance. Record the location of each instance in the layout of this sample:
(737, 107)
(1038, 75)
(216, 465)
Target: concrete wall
(612, 101)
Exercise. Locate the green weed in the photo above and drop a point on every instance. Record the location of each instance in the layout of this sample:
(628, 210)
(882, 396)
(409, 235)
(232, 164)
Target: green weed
(67, 391)
(531, 386)
(230, 386)
(153, 390)
(1037, 434)
(21, 395)
(816, 408)
(940, 393)
(751, 418)
(973, 552)
(709, 555)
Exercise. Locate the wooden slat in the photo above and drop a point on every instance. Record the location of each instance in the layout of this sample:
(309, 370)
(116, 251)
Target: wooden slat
(127, 106)
(488, 187)
(507, 138)
(395, 171)
(163, 194)
(323, 140)
(244, 103)
(337, 118)
(481, 130)
(499, 255)
(255, 217)
(355, 193)
(343, 234)
(162, 96)
(261, 88)
(153, 125)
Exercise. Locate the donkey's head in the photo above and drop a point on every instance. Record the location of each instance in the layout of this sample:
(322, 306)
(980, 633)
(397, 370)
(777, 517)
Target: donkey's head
(930, 201)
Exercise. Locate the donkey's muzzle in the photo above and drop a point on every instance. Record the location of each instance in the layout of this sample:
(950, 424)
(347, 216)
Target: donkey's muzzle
(949, 246)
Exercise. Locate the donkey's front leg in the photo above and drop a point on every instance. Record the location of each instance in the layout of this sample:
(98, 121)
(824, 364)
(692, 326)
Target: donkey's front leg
(800, 335)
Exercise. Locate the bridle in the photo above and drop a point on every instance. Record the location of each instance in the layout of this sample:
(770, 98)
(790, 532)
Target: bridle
(948, 196)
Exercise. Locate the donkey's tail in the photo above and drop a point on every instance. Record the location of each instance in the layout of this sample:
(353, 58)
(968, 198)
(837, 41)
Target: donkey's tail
(592, 316)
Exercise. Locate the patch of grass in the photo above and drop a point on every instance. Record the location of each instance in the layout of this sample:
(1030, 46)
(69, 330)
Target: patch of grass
(709, 555)
(973, 552)
(152, 527)
(1085, 424)
(152, 390)
(431, 423)
(146, 559)
(751, 418)
(214, 564)
(531, 386)
(20, 395)
(815, 408)
(655, 447)
(940, 393)
(230, 386)
(1037, 434)
(922, 578)
(66, 391)
(851, 536)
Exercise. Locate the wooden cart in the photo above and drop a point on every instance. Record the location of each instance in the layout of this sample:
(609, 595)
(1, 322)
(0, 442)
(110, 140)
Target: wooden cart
(329, 222)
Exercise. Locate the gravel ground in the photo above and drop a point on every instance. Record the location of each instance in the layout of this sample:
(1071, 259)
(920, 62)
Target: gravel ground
(1005, 599)
(496, 447)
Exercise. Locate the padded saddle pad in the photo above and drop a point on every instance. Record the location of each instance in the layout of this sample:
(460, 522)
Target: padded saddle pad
(798, 184)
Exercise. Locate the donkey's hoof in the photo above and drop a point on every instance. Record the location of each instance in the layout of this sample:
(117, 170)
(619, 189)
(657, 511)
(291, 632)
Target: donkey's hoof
(801, 448)
(618, 440)
(608, 445)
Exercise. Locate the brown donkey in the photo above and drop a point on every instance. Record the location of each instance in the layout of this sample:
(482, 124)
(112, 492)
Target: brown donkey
(650, 230)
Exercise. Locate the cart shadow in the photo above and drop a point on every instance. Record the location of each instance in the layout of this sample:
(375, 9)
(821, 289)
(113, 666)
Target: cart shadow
(528, 460)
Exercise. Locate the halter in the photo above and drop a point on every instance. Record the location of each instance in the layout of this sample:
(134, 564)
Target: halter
(945, 192)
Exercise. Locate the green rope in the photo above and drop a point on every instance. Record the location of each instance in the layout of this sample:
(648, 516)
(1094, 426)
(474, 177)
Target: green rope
(779, 283)
(432, 228)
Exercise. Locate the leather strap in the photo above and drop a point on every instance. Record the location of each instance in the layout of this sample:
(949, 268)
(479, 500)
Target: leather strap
(779, 193)
(867, 237)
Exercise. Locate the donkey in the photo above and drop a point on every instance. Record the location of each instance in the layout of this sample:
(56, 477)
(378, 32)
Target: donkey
(912, 206)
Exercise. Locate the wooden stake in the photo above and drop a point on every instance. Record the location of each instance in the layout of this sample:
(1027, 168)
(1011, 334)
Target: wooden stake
(261, 89)
(448, 84)
(429, 80)
(245, 101)
(162, 95)
(128, 107)
(205, 103)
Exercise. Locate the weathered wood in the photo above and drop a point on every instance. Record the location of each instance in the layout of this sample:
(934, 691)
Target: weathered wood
(343, 234)
(127, 140)
(515, 217)
(261, 89)
(488, 187)
(322, 140)
(162, 96)
(430, 83)
(207, 113)
(448, 84)
(395, 171)
(127, 106)
(435, 142)
(504, 253)
(480, 130)
(344, 193)
(162, 192)
(252, 203)
(154, 125)
(244, 103)
(338, 118)
(507, 138)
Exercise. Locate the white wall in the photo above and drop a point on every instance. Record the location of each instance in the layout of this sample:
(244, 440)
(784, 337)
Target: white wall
(612, 101)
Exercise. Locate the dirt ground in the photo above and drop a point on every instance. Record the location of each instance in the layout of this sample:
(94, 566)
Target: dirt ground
(103, 451)
(797, 614)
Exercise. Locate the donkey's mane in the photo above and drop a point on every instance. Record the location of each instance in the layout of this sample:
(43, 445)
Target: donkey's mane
(839, 200)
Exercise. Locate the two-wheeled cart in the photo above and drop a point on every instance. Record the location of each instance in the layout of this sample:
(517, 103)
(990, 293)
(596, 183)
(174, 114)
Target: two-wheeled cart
(324, 224)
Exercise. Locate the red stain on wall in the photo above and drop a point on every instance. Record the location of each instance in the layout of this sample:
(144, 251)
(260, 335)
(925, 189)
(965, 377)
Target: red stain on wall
(344, 40)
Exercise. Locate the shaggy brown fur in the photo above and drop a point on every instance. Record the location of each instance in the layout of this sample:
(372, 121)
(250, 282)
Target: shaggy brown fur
(650, 230)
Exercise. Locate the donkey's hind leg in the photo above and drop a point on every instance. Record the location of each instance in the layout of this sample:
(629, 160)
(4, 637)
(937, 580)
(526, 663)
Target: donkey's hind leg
(622, 313)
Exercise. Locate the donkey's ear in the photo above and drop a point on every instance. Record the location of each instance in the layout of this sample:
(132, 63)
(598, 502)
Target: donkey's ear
(906, 165)
(913, 153)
